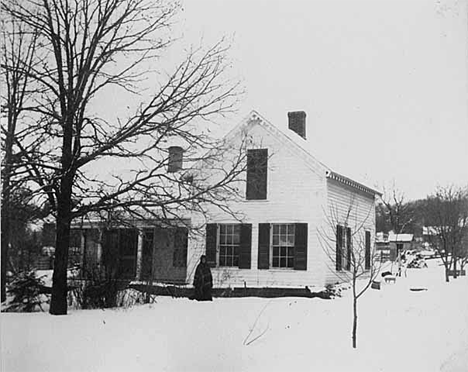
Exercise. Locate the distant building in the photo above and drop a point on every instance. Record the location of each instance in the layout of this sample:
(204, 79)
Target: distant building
(399, 243)
(391, 245)
(382, 246)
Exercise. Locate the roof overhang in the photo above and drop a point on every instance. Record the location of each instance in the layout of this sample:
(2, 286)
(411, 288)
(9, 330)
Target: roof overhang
(349, 182)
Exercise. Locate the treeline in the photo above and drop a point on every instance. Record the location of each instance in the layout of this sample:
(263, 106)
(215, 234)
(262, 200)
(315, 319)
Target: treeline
(441, 219)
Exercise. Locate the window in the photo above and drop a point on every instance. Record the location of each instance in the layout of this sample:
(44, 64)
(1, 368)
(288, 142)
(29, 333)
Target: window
(283, 245)
(257, 166)
(343, 248)
(229, 244)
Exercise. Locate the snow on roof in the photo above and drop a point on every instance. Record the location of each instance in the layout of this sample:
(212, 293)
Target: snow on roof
(392, 237)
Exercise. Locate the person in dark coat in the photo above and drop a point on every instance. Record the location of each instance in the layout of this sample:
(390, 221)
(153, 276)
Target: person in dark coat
(203, 281)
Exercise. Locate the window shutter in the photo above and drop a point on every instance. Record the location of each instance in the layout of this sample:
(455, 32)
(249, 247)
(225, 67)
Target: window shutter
(264, 246)
(245, 248)
(368, 251)
(348, 248)
(300, 247)
(179, 256)
(211, 239)
(339, 245)
(257, 173)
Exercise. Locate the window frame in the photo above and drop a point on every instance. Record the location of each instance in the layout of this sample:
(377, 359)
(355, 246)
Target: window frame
(288, 247)
(234, 257)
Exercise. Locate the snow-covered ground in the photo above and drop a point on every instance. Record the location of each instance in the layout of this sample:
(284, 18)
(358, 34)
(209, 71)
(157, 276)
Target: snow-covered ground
(399, 330)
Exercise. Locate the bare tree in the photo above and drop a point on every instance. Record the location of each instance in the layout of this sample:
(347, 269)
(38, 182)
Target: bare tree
(347, 241)
(89, 49)
(463, 251)
(18, 56)
(447, 215)
(398, 211)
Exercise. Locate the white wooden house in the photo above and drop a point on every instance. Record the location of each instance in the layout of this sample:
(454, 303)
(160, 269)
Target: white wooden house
(286, 199)
(289, 199)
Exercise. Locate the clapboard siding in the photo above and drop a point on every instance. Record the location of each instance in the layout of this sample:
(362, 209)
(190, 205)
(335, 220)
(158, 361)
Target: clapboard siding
(341, 199)
(296, 194)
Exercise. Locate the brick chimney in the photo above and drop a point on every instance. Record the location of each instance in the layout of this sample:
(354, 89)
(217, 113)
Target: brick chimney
(297, 122)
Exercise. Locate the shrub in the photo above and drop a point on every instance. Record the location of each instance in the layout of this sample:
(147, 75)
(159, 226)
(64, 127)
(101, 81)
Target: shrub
(27, 290)
(96, 290)
(333, 290)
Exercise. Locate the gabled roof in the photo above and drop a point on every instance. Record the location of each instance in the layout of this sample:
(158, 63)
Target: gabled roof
(300, 145)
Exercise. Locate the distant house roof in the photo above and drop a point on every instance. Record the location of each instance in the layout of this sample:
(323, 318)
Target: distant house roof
(400, 238)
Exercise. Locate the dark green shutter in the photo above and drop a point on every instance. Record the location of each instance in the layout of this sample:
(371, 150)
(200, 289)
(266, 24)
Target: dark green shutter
(179, 255)
(211, 237)
(348, 248)
(300, 247)
(368, 251)
(245, 251)
(339, 245)
(264, 246)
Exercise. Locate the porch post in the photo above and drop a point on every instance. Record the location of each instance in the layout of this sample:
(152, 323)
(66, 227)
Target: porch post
(139, 259)
(82, 247)
(99, 248)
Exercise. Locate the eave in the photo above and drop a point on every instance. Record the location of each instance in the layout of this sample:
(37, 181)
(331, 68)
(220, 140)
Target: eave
(349, 182)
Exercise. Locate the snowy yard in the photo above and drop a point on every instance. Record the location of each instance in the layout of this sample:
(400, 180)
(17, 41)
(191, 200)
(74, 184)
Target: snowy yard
(399, 330)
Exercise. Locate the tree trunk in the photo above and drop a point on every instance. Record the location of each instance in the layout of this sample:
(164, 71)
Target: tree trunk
(5, 215)
(455, 276)
(58, 304)
(5, 241)
(447, 265)
(355, 320)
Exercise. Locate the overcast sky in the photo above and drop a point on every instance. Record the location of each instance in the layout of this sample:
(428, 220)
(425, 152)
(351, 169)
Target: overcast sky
(383, 83)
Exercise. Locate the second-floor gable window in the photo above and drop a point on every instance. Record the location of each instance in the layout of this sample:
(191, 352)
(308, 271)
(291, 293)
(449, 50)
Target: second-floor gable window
(257, 171)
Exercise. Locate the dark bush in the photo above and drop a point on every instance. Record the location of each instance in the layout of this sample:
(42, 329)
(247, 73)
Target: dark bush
(27, 290)
(93, 289)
